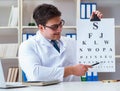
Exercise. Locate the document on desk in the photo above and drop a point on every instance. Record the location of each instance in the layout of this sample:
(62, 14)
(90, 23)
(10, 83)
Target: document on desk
(41, 83)
(96, 44)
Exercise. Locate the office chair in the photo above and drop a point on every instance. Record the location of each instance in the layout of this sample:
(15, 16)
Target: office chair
(24, 78)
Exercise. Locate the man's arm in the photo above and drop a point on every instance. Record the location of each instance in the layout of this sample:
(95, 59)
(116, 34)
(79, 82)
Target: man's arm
(77, 70)
(80, 69)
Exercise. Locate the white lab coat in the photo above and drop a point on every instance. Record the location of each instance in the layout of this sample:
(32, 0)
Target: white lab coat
(42, 62)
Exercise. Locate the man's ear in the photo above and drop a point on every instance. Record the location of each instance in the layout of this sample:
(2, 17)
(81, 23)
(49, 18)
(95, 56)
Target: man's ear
(41, 27)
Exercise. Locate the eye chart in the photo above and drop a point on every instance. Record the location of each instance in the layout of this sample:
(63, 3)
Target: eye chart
(96, 43)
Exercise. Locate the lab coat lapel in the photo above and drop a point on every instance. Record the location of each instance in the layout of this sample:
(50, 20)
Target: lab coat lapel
(62, 46)
(46, 43)
(43, 41)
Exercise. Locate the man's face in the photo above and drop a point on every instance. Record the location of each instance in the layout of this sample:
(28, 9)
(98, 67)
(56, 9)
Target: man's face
(52, 29)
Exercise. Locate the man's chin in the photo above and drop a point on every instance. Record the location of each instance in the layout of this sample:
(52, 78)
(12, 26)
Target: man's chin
(57, 38)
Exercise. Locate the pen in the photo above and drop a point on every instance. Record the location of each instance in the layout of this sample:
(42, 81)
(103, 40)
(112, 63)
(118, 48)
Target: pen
(110, 81)
(95, 64)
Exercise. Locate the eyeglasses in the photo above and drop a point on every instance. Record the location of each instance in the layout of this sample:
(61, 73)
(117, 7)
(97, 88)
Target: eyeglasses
(55, 26)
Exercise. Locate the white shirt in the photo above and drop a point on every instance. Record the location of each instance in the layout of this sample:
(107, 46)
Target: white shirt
(42, 62)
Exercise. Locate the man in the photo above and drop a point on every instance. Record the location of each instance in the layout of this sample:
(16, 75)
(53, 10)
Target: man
(38, 57)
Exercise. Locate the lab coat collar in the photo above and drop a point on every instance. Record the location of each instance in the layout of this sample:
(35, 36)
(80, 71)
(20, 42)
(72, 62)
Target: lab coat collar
(47, 43)
(42, 39)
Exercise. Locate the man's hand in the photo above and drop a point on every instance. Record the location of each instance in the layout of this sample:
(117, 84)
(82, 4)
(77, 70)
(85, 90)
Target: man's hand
(98, 13)
(78, 70)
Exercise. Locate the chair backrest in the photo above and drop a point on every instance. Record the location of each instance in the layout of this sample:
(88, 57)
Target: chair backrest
(24, 78)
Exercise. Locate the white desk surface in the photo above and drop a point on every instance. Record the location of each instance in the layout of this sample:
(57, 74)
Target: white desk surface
(72, 86)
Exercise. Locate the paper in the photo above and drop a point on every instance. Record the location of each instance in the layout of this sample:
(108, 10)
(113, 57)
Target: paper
(96, 43)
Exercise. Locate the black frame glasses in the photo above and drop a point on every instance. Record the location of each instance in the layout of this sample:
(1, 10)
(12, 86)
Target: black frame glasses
(55, 26)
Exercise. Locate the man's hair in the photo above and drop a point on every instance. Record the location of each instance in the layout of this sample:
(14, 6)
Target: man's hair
(45, 12)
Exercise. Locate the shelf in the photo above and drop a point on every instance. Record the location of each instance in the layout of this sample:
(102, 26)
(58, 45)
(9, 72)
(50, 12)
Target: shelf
(8, 2)
(9, 27)
(74, 27)
(65, 6)
(65, 27)
(8, 57)
(7, 31)
(27, 27)
(117, 26)
(117, 56)
(34, 27)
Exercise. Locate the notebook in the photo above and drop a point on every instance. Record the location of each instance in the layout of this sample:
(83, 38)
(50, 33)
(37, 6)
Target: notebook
(41, 83)
(7, 85)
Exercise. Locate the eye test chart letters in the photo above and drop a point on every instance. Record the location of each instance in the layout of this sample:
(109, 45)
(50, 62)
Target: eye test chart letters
(96, 43)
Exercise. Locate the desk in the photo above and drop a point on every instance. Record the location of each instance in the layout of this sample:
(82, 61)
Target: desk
(72, 86)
